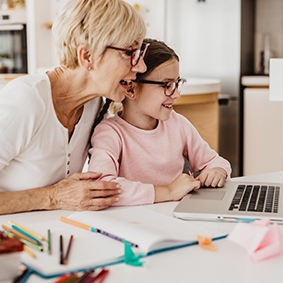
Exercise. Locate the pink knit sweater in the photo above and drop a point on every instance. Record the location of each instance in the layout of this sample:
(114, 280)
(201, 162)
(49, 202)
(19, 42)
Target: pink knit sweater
(139, 159)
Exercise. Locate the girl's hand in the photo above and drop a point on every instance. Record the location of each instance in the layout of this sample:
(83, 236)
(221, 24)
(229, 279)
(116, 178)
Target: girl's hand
(212, 177)
(182, 185)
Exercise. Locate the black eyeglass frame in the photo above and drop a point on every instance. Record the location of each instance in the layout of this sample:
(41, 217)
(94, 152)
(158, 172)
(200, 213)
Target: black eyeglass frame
(143, 51)
(164, 84)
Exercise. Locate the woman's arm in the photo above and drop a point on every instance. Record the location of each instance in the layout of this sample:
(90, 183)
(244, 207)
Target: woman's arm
(78, 192)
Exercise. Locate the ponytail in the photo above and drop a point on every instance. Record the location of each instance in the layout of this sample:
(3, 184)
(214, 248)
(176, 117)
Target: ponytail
(99, 119)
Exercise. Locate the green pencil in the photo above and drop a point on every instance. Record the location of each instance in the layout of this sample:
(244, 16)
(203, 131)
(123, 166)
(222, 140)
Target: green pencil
(49, 241)
(36, 247)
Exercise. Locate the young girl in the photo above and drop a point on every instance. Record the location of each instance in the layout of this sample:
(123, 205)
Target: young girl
(143, 146)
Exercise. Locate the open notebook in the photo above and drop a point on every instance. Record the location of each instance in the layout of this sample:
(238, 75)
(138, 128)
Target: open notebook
(150, 230)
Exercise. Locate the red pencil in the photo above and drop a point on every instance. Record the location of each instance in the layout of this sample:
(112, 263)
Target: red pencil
(68, 250)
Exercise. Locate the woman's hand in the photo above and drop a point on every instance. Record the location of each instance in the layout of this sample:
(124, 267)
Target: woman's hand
(80, 192)
(182, 185)
(212, 177)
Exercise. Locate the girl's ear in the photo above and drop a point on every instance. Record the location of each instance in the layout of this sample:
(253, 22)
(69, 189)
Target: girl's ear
(84, 57)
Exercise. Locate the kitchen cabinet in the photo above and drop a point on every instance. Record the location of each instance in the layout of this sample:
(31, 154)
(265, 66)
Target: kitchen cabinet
(262, 133)
(199, 104)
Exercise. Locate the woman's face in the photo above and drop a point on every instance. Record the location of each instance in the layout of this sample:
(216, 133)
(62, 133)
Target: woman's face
(151, 103)
(115, 68)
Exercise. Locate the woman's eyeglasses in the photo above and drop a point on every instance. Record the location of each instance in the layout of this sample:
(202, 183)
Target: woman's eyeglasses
(169, 87)
(135, 54)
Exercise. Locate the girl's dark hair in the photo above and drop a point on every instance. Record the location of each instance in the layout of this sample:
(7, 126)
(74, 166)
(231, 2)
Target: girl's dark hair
(99, 118)
(158, 54)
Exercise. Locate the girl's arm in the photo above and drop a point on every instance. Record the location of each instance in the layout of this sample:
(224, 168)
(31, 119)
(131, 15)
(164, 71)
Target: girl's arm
(214, 169)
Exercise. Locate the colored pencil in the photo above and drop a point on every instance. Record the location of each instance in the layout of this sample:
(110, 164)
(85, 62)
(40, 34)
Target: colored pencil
(103, 275)
(68, 250)
(26, 234)
(31, 253)
(71, 279)
(62, 278)
(49, 241)
(18, 234)
(61, 250)
(84, 276)
(36, 247)
(91, 229)
(27, 243)
(39, 237)
(65, 277)
(93, 278)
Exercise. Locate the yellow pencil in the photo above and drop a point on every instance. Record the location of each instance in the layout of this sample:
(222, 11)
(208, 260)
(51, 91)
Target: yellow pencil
(26, 249)
(39, 237)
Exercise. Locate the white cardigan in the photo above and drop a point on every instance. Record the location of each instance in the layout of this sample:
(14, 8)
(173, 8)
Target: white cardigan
(34, 147)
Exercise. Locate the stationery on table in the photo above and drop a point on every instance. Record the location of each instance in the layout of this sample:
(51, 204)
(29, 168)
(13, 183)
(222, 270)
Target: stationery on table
(49, 241)
(150, 231)
(65, 261)
(32, 233)
(92, 229)
(260, 241)
(61, 250)
(10, 256)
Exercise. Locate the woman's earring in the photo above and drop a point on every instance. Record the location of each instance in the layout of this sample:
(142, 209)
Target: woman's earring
(132, 96)
(89, 68)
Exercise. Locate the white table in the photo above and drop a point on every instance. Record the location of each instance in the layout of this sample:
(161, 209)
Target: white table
(191, 264)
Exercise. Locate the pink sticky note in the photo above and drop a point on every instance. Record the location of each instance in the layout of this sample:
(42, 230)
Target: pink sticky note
(259, 241)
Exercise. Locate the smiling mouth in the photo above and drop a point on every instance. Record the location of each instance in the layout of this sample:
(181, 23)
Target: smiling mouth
(127, 84)
(123, 82)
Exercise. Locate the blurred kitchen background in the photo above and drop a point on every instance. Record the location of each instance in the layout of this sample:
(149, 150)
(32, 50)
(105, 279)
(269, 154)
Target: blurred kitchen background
(224, 48)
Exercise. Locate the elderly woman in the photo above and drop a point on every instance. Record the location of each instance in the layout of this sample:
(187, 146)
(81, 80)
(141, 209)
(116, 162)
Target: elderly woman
(46, 119)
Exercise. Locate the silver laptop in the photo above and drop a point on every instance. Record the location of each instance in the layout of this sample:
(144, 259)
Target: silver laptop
(236, 201)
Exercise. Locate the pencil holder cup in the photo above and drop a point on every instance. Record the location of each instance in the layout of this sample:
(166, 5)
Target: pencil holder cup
(9, 265)
(10, 257)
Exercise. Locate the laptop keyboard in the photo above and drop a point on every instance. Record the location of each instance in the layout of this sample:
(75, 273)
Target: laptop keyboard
(256, 198)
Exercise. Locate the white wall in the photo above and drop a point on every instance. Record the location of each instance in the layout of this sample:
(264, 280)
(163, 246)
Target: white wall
(206, 35)
(41, 49)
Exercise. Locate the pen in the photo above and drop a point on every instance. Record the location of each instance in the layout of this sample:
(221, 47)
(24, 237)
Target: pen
(91, 229)
(39, 237)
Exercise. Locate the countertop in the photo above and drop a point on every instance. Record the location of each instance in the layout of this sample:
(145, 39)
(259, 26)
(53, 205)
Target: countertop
(5, 78)
(255, 81)
(200, 86)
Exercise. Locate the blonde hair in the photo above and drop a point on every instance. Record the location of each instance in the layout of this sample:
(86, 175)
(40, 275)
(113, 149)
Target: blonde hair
(96, 24)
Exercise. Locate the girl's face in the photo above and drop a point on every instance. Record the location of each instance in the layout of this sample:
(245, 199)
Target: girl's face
(115, 68)
(151, 104)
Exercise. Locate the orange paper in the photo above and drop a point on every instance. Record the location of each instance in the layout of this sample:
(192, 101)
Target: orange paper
(206, 243)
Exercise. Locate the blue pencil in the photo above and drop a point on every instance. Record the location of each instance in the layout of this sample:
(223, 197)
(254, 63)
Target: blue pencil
(26, 234)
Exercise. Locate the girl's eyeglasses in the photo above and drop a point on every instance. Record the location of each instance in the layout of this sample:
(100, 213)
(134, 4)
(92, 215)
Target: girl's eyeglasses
(169, 87)
(135, 54)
